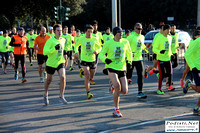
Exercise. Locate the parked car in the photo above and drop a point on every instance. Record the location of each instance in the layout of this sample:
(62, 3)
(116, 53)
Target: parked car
(183, 40)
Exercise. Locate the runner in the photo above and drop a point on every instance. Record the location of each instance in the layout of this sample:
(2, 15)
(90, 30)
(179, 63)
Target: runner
(152, 69)
(39, 45)
(51, 32)
(136, 41)
(11, 50)
(196, 35)
(73, 31)
(90, 47)
(107, 36)
(76, 38)
(31, 37)
(192, 56)
(4, 48)
(54, 49)
(175, 46)
(162, 48)
(68, 47)
(20, 44)
(115, 62)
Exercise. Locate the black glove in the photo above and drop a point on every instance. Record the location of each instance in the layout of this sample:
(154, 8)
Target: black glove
(57, 47)
(162, 51)
(108, 61)
(32, 39)
(195, 70)
(172, 57)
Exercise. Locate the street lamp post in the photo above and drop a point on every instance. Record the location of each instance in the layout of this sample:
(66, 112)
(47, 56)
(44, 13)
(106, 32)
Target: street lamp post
(114, 13)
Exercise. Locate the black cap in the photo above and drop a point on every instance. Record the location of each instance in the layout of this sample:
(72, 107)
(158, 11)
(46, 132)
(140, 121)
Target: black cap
(116, 30)
(5, 31)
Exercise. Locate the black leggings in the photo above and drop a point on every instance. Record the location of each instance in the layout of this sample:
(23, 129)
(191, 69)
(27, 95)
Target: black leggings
(5, 57)
(174, 60)
(21, 58)
(165, 70)
(139, 68)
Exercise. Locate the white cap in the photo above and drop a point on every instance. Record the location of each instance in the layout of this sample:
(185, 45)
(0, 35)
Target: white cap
(1, 32)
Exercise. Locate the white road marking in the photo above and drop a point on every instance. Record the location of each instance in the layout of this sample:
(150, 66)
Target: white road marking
(144, 123)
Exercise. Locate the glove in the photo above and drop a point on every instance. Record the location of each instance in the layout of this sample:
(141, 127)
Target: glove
(162, 51)
(172, 57)
(57, 47)
(195, 70)
(108, 61)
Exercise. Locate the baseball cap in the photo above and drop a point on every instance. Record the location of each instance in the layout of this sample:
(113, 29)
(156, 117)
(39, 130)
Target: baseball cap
(20, 28)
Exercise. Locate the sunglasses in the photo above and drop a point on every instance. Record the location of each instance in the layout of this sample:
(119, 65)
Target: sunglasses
(139, 28)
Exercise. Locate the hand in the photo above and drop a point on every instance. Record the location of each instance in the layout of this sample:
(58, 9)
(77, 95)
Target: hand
(7, 47)
(108, 61)
(172, 57)
(95, 52)
(195, 70)
(162, 51)
(57, 47)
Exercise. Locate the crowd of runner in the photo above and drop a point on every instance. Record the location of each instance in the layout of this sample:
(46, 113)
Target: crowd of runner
(61, 47)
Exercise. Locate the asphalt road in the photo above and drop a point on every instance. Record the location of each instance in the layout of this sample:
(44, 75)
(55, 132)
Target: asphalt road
(22, 108)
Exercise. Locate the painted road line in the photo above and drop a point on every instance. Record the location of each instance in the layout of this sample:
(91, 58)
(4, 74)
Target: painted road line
(144, 123)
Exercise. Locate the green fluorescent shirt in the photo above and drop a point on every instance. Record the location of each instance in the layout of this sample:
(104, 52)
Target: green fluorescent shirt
(107, 37)
(31, 39)
(68, 44)
(192, 55)
(76, 38)
(4, 42)
(98, 35)
(88, 46)
(52, 35)
(117, 52)
(55, 57)
(155, 37)
(174, 43)
(137, 45)
(163, 43)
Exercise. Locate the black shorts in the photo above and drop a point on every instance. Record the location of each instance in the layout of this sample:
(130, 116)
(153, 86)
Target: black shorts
(51, 70)
(41, 59)
(120, 74)
(92, 65)
(196, 78)
(154, 56)
(69, 54)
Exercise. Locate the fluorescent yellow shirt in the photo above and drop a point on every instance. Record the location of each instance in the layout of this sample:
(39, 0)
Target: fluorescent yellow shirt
(4, 43)
(88, 46)
(117, 52)
(55, 57)
(163, 43)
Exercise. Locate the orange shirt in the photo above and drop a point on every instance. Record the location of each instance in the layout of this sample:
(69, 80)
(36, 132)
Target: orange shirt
(40, 41)
(20, 40)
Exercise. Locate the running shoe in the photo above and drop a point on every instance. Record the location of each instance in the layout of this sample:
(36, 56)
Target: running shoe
(141, 95)
(16, 75)
(4, 71)
(160, 92)
(45, 75)
(90, 95)
(182, 83)
(81, 73)
(71, 68)
(92, 82)
(145, 73)
(117, 113)
(111, 89)
(196, 111)
(129, 81)
(152, 71)
(46, 100)
(63, 100)
(41, 80)
(171, 88)
(24, 80)
(187, 86)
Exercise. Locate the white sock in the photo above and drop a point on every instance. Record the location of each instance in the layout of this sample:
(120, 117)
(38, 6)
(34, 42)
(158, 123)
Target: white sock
(116, 108)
